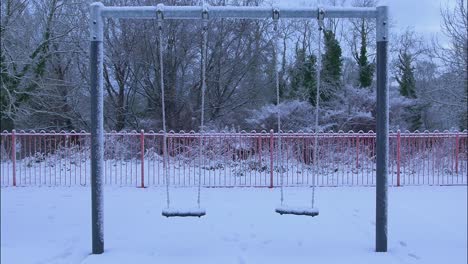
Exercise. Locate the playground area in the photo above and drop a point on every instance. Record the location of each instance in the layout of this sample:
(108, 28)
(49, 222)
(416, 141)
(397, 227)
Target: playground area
(294, 192)
(426, 224)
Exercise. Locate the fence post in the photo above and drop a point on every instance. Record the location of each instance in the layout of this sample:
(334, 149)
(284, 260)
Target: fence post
(357, 151)
(398, 157)
(457, 146)
(13, 154)
(271, 158)
(259, 149)
(142, 153)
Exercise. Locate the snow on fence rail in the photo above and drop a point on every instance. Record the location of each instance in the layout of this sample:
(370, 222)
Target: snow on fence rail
(233, 159)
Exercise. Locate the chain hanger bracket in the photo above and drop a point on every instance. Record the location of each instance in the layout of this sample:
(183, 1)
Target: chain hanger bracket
(275, 16)
(320, 18)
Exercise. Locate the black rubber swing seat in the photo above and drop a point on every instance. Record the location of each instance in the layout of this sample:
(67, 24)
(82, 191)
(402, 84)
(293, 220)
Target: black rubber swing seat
(308, 211)
(192, 212)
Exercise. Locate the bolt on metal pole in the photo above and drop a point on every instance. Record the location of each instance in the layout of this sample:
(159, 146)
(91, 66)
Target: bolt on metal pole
(97, 128)
(382, 131)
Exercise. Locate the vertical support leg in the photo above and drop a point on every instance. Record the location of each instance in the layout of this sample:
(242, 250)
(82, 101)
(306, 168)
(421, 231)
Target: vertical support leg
(382, 131)
(97, 129)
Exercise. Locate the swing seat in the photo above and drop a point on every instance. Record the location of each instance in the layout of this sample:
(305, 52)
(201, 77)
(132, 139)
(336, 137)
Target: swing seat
(189, 212)
(309, 211)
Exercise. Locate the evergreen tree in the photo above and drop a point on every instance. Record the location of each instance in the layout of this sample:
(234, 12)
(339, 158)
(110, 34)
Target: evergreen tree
(310, 80)
(303, 77)
(405, 77)
(297, 73)
(407, 83)
(366, 70)
(331, 66)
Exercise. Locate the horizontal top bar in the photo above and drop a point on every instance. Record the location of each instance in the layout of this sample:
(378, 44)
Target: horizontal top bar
(245, 12)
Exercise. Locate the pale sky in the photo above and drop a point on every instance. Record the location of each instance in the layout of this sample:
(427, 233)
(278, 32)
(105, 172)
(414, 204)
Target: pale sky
(422, 15)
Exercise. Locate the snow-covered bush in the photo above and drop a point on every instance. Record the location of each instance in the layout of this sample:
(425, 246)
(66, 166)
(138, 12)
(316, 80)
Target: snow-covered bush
(295, 115)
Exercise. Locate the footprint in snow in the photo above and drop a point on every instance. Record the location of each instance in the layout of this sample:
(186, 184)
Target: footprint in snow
(356, 213)
(402, 243)
(414, 256)
(230, 239)
(243, 247)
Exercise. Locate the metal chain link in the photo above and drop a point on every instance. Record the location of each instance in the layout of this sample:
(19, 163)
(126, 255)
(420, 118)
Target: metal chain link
(161, 73)
(203, 84)
(275, 62)
(320, 18)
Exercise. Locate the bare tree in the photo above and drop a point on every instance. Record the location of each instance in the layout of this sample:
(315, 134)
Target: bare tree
(36, 64)
(454, 58)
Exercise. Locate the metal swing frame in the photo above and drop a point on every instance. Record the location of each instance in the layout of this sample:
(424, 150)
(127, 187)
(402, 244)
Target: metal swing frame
(97, 14)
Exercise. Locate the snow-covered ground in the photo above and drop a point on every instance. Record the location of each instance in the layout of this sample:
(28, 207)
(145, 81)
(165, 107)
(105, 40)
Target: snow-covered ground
(427, 224)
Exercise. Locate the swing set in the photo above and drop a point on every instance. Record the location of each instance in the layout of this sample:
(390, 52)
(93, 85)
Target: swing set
(205, 13)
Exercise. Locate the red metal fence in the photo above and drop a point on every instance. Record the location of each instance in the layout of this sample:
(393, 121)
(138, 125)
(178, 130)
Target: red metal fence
(233, 159)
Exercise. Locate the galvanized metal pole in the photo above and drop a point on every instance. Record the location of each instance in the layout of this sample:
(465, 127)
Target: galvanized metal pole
(97, 128)
(382, 131)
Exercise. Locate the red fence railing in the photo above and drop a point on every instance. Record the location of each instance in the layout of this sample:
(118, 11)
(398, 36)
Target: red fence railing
(233, 159)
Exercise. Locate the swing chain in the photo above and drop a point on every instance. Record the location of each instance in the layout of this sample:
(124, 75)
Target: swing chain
(160, 17)
(321, 25)
(205, 17)
(275, 16)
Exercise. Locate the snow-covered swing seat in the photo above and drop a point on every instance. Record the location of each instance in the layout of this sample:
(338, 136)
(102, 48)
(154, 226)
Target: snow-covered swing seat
(309, 211)
(285, 209)
(188, 212)
(171, 211)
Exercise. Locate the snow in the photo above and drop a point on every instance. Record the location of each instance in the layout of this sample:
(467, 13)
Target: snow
(427, 224)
